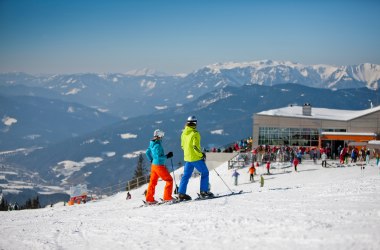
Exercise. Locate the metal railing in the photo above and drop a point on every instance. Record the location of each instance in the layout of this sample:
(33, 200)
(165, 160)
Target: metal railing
(244, 159)
(120, 187)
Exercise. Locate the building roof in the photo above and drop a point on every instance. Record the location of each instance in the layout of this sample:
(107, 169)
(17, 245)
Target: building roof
(320, 113)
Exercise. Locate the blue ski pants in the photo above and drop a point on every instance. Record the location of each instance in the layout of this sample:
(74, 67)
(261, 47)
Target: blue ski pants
(188, 171)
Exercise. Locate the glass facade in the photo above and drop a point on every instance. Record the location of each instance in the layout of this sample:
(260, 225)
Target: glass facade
(291, 136)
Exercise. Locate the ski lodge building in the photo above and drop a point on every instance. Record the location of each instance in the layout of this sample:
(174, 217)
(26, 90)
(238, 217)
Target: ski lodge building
(316, 127)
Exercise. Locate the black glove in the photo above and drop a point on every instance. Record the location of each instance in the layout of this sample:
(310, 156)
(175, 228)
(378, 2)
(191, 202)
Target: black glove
(203, 156)
(169, 155)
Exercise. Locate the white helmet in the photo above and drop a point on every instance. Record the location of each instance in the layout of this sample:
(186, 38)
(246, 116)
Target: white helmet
(192, 120)
(158, 133)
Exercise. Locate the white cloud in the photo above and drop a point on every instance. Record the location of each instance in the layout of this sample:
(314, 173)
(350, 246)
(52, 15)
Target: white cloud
(71, 109)
(161, 107)
(101, 110)
(134, 154)
(72, 91)
(89, 141)
(128, 136)
(8, 121)
(217, 132)
(110, 154)
(32, 137)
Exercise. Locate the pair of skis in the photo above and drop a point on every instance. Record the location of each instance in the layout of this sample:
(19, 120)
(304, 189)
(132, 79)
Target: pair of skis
(199, 198)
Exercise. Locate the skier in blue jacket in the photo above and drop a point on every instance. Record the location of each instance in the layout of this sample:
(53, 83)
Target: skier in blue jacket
(155, 154)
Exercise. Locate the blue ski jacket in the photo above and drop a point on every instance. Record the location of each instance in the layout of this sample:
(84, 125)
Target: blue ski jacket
(155, 153)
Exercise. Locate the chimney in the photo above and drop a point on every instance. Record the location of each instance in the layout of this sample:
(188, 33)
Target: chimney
(306, 109)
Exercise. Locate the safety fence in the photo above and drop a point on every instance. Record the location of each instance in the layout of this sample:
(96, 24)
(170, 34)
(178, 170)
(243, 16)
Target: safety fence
(120, 187)
(245, 159)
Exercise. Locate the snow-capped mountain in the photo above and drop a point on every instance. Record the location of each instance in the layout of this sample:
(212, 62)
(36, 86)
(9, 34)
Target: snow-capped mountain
(145, 72)
(144, 91)
(268, 72)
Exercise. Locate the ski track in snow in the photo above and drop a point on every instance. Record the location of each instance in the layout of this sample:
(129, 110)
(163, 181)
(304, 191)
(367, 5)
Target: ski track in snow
(315, 208)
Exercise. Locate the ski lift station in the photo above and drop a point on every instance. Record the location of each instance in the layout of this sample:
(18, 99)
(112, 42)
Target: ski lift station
(316, 127)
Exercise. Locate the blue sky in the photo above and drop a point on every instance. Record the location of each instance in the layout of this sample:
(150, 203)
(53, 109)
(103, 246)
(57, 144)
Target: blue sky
(71, 36)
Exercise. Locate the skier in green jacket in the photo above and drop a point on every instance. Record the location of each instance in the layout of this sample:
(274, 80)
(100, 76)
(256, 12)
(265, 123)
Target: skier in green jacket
(194, 158)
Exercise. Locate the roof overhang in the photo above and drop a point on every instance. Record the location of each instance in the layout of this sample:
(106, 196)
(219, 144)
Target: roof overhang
(346, 136)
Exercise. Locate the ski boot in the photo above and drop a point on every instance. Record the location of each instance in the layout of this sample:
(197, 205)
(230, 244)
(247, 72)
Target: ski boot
(151, 202)
(184, 197)
(206, 195)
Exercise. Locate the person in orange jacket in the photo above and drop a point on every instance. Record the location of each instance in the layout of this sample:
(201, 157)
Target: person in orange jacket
(155, 154)
(252, 171)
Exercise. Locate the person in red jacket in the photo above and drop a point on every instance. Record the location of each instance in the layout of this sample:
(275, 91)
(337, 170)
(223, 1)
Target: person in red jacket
(295, 163)
(268, 167)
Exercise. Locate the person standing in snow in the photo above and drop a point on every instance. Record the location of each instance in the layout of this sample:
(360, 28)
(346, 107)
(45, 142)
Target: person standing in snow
(252, 171)
(155, 154)
(268, 167)
(324, 159)
(299, 156)
(235, 175)
(129, 196)
(367, 156)
(194, 158)
(295, 163)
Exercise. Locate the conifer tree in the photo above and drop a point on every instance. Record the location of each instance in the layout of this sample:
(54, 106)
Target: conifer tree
(140, 170)
(3, 204)
(28, 204)
(35, 203)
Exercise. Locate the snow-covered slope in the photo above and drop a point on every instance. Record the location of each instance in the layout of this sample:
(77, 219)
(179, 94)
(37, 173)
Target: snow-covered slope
(316, 208)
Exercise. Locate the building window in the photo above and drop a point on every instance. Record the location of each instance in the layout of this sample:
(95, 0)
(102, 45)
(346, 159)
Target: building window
(291, 136)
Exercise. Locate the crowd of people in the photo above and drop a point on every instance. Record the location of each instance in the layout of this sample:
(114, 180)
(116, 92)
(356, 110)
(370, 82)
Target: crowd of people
(354, 154)
(243, 145)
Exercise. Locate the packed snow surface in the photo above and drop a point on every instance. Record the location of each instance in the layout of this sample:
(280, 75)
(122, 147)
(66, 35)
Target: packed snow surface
(315, 208)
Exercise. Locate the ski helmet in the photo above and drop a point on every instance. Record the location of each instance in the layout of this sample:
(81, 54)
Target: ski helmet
(158, 133)
(192, 120)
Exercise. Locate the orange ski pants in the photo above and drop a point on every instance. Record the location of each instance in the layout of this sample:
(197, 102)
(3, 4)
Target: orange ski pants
(159, 171)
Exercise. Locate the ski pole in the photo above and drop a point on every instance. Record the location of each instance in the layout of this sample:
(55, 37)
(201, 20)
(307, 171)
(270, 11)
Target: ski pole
(176, 187)
(223, 181)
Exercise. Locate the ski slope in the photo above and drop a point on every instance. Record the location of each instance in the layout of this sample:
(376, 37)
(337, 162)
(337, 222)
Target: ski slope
(315, 208)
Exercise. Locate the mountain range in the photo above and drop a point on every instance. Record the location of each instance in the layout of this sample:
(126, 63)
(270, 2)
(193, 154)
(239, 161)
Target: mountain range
(146, 91)
(90, 128)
